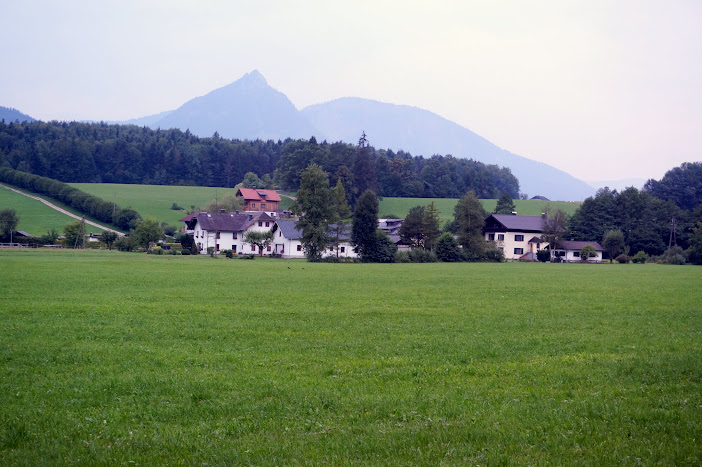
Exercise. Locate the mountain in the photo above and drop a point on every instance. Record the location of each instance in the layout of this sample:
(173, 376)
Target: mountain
(251, 109)
(149, 120)
(245, 109)
(421, 132)
(13, 115)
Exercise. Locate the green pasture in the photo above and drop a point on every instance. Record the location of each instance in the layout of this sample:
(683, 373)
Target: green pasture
(114, 358)
(35, 217)
(156, 200)
(401, 206)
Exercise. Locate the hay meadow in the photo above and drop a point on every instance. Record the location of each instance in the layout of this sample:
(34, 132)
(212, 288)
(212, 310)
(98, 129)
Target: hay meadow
(129, 359)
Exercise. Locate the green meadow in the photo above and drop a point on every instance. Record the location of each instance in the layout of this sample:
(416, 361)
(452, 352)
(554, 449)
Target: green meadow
(401, 206)
(37, 218)
(156, 200)
(114, 358)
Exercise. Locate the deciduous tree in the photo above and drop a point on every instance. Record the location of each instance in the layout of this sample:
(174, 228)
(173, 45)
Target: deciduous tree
(613, 243)
(8, 223)
(470, 215)
(260, 240)
(147, 231)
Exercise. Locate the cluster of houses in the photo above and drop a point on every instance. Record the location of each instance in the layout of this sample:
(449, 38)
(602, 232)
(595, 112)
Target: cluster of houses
(519, 237)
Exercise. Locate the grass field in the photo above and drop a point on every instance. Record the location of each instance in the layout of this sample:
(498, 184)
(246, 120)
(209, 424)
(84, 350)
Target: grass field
(156, 200)
(401, 206)
(35, 217)
(114, 358)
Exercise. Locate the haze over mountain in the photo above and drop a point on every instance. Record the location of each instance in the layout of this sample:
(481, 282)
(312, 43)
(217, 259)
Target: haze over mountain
(13, 115)
(421, 132)
(246, 109)
(249, 109)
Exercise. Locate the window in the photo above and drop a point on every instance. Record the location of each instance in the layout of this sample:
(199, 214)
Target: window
(253, 247)
(491, 237)
(217, 236)
(268, 248)
(576, 254)
(519, 251)
(519, 238)
(234, 248)
(501, 237)
(343, 249)
(268, 224)
(299, 248)
(234, 235)
(217, 247)
(253, 205)
(260, 223)
(263, 206)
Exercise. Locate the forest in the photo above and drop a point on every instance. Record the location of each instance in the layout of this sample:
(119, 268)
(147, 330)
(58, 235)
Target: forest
(75, 152)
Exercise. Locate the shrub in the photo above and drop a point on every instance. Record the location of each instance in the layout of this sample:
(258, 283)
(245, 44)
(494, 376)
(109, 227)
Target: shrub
(640, 257)
(447, 249)
(494, 254)
(228, 253)
(185, 252)
(123, 244)
(420, 255)
(402, 257)
(155, 251)
(622, 259)
(674, 255)
(543, 255)
(175, 207)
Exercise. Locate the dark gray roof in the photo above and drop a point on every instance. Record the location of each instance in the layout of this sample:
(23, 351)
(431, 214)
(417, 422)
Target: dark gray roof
(573, 245)
(519, 223)
(289, 229)
(228, 221)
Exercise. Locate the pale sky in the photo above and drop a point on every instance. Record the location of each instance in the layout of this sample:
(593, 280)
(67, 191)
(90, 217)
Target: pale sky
(601, 89)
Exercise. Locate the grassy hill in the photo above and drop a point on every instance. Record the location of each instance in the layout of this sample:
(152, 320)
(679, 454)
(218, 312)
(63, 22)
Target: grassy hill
(118, 358)
(400, 206)
(156, 201)
(35, 217)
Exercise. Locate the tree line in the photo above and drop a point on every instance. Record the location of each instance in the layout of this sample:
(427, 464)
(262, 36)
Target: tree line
(77, 152)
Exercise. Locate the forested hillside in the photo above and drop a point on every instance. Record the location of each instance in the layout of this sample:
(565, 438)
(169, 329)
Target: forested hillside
(99, 152)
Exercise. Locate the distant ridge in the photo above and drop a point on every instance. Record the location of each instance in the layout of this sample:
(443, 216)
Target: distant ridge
(13, 115)
(245, 109)
(421, 132)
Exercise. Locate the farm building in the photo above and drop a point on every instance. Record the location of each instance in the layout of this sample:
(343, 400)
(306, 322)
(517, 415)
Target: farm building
(259, 200)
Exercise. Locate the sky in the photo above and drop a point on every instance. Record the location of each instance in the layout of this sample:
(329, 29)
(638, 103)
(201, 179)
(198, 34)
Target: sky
(602, 89)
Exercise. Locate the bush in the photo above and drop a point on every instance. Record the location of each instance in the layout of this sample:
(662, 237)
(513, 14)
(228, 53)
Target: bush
(447, 249)
(494, 254)
(675, 255)
(543, 255)
(228, 253)
(175, 207)
(402, 257)
(185, 252)
(155, 251)
(123, 244)
(640, 257)
(420, 255)
(622, 259)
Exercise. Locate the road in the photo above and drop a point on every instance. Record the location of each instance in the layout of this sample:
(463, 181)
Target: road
(63, 211)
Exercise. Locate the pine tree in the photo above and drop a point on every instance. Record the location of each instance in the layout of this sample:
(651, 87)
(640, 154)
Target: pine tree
(364, 167)
(505, 205)
(365, 224)
(316, 210)
(430, 226)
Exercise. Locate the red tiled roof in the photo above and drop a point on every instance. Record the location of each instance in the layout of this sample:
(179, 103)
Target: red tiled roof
(252, 194)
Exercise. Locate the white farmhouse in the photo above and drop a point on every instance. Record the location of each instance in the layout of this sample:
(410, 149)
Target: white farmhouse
(226, 230)
(515, 235)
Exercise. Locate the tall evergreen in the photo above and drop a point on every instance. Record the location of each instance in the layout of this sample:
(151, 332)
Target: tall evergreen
(364, 167)
(315, 206)
(365, 224)
(505, 205)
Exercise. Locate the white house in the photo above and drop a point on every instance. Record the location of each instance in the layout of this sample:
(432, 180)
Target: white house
(569, 251)
(515, 235)
(287, 241)
(226, 230)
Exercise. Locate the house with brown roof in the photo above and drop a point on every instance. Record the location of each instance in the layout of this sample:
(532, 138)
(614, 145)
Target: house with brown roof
(259, 200)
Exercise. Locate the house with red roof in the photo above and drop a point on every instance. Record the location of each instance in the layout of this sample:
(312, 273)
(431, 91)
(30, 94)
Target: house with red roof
(259, 200)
